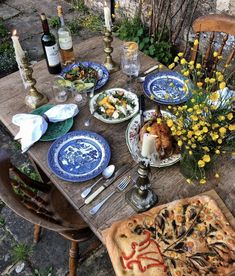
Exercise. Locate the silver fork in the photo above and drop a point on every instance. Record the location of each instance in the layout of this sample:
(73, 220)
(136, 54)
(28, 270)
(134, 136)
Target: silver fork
(120, 187)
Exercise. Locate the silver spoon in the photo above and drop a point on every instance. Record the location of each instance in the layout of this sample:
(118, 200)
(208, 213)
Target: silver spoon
(88, 120)
(107, 173)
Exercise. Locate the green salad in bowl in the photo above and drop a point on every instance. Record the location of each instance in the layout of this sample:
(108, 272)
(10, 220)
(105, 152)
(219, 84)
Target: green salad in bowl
(114, 105)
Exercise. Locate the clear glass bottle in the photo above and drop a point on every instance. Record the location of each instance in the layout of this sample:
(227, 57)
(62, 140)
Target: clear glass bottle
(65, 40)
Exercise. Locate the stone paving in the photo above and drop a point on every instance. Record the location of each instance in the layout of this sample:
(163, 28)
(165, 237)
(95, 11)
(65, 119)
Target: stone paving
(52, 250)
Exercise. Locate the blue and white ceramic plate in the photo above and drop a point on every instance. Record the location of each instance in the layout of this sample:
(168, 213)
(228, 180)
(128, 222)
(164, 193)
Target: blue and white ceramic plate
(167, 88)
(79, 156)
(103, 73)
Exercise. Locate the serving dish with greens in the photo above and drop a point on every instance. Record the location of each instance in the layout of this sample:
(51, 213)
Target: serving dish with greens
(114, 105)
(84, 75)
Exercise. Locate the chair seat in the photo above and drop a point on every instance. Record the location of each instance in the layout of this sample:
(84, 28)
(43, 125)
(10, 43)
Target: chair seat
(65, 212)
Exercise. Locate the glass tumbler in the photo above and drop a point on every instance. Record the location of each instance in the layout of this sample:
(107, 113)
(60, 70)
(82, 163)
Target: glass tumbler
(79, 96)
(130, 62)
(60, 93)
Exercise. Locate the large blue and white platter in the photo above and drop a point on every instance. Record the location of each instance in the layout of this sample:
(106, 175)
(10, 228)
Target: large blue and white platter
(79, 156)
(103, 73)
(167, 88)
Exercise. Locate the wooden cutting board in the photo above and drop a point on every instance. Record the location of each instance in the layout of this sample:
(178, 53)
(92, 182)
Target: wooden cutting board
(222, 206)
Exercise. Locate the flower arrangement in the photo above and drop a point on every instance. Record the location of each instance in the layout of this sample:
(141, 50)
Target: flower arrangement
(204, 126)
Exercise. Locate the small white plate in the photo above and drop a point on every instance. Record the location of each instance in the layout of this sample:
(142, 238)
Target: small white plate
(133, 97)
(132, 139)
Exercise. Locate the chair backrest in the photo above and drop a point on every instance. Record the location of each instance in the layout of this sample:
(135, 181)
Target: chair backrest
(26, 197)
(214, 24)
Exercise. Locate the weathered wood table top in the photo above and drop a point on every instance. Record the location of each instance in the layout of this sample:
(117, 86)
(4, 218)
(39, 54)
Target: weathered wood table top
(168, 182)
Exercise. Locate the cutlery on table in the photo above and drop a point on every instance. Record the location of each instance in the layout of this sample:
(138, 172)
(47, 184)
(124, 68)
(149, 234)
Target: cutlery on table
(141, 109)
(108, 182)
(142, 77)
(120, 187)
(107, 173)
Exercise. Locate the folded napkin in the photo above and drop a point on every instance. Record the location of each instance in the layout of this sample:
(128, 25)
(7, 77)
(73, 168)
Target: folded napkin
(32, 127)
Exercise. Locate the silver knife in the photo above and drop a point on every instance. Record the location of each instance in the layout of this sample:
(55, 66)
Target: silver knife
(108, 182)
(141, 109)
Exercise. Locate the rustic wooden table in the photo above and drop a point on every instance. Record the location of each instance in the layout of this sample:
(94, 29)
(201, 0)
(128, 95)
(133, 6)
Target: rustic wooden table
(168, 182)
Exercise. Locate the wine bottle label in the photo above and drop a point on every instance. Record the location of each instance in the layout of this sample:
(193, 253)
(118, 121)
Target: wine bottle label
(65, 40)
(52, 53)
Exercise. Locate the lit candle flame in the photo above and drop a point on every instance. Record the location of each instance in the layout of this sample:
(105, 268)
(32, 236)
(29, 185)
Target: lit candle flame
(14, 32)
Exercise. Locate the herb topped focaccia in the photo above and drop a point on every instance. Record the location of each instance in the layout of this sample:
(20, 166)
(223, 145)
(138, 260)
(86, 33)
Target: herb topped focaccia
(186, 237)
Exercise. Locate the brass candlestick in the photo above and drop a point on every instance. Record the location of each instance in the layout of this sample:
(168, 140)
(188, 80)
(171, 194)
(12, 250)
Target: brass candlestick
(34, 99)
(109, 63)
(142, 197)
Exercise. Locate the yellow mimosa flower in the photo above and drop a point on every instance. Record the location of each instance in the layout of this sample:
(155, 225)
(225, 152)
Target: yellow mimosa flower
(161, 66)
(217, 175)
(190, 110)
(230, 116)
(214, 96)
(176, 59)
(169, 122)
(221, 118)
(117, 5)
(202, 181)
(189, 181)
(207, 80)
(194, 117)
(194, 146)
(195, 127)
(206, 149)
(222, 130)
(217, 151)
(180, 54)
(205, 129)
(159, 120)
(222, 85)
(196, 42)
(180, 143)
(183, 61)
(199, 84)
(220, 141)
(220, 78)
(198, 66)
(214, 136)
(215, 54)
(171, 66)
(190, 134)
(186, 73)
(193, 100)
(231, 127)
(212, 80)
(148, 129)
(206, 158)
(201, 163)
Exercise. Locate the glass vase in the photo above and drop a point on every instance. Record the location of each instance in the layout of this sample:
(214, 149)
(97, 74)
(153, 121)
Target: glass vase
(189, 165)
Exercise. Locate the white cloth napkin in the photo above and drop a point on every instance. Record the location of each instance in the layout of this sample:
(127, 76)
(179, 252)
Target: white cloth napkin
(32, 127)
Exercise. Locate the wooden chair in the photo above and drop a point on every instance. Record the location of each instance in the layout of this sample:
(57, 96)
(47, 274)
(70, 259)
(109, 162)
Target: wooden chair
(44, 206)
(214, 24)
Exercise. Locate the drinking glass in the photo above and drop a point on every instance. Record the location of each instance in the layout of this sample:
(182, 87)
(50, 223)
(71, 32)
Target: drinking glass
(79, 96)
(130, 62)
(60, 93)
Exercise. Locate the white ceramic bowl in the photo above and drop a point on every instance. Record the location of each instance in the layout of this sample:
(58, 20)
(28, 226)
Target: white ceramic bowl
(129, 95)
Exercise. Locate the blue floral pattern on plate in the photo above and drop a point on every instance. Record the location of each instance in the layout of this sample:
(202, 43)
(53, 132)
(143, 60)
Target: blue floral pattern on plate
(103, 73)
(79, 156)
(167, 88)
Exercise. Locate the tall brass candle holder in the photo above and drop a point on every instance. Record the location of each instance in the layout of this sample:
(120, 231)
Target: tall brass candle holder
(34, 99)
(109, 63)
(141, 197)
